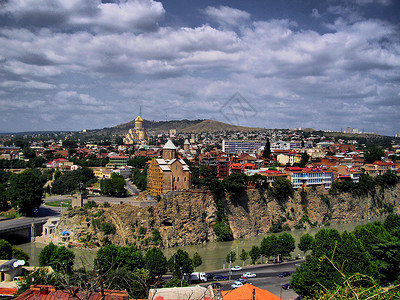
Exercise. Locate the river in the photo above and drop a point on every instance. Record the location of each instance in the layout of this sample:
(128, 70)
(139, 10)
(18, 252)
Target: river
(213, 253)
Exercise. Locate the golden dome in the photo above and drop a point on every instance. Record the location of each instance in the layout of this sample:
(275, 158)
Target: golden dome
(139, 119)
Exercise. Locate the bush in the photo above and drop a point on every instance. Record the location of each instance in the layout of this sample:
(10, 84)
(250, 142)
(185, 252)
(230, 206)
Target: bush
(176, 282)
(108, 228)
(90, 204)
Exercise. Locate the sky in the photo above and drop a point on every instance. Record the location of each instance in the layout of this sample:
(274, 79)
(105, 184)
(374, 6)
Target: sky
(73, 65)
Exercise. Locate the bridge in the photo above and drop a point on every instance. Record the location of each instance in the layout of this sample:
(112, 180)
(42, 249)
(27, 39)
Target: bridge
(21, 229)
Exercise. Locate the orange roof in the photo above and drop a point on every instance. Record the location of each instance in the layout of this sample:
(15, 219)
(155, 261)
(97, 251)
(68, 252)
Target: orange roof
(246, 291)
(7, 291)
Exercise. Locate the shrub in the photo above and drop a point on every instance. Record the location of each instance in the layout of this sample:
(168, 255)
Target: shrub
(108, 228)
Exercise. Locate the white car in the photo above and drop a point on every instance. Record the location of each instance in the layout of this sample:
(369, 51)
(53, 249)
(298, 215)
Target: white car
(236, 268)
(249, 275)
(236, 284)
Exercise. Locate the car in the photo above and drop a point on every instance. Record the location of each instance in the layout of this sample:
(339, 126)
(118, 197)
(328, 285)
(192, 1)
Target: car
(242, 280)
(284, 274)
(249, 275)
(219, 277)
(216, 285)
(210, 275)
(236, 268)
(236, 284)
(286, 286)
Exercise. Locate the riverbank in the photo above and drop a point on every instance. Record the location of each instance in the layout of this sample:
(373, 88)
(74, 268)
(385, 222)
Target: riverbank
(212, 253)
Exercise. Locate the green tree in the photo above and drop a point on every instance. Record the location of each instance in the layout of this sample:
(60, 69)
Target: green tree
(243, 256)
(112, 257)
(156, 262)
(180, 263)
(63, 259)
(59, 258)
(333, 255)
(267, 150)
(373, 154)
(282, 188)
(383, 247)
(269, 246)
(3, 198)
(306, 242)
(197, 260)
(115, 186)
(255, 254)
(230, 257)
(286, 244)
(304, 159)
(18, 253)
(235, 183)
(25, 191)
(5, 250)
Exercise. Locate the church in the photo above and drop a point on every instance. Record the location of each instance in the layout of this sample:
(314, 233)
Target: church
(137, 135)
(168, 173)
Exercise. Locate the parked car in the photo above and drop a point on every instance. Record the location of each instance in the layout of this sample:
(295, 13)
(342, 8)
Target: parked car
(236, 268)
(284, 274)
(286, 286)
(210, 275)
(236, 284)
(249, 275)
(219, 277)
(216, 285)
(242, 280)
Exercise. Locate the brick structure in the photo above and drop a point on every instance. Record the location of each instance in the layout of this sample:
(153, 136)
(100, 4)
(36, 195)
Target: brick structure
(168, 173)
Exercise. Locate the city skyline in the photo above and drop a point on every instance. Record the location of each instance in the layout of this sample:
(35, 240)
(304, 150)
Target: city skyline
(88, 65)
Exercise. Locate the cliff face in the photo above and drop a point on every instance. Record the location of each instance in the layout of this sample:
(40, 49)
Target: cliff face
(187, 218)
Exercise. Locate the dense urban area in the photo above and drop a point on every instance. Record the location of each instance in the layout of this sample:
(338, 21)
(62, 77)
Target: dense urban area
(95, 179)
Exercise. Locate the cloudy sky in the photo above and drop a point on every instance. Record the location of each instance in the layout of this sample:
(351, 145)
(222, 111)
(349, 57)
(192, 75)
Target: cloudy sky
(70, 65)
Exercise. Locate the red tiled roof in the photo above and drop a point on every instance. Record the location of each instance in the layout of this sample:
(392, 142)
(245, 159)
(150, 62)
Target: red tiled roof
(43, 292)
(7, 291)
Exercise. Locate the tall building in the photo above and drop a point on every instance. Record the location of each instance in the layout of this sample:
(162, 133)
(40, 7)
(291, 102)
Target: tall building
(137, 135)
(241, 146)
(168, 173)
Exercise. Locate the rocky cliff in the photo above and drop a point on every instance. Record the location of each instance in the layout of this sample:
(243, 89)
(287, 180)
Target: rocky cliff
(187, 217)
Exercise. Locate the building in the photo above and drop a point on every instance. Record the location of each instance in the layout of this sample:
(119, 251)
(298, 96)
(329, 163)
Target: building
(136, 135)
(309, 177)
(117, 161)
(60, 163)
(241, 146)
(168, 173)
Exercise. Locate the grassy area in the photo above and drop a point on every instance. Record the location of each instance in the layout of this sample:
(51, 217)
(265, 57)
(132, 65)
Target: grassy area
(66, 203)
(11, 213)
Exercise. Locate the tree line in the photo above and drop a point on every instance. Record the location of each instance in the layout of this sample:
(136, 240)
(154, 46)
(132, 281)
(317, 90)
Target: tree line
(363, 259)
(114, 267)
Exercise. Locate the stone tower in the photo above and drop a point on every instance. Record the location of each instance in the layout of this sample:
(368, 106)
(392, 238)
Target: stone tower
(169, 151)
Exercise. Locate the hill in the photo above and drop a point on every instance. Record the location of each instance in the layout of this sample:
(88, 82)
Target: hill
(214, 126)
(186, 126)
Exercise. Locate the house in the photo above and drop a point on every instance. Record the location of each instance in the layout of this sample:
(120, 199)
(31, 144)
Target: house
(60, 163)
(310, 177)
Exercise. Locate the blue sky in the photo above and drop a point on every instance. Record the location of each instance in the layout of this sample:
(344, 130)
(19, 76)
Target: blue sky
(71, 65)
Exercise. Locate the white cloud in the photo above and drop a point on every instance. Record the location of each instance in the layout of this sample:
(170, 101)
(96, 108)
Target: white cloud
(227, 16)
(126, 15)
(291, 75)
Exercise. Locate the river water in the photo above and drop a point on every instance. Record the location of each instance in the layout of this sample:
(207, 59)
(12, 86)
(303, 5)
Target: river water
(213, 253)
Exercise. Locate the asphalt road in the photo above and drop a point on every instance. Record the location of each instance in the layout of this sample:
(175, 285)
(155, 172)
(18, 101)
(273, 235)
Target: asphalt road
(267, 278)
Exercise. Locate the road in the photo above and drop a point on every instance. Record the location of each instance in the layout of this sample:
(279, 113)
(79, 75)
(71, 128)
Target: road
(267, 278)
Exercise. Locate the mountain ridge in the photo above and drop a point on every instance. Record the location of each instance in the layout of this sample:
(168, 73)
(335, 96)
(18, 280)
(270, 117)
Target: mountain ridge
(181, 126)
